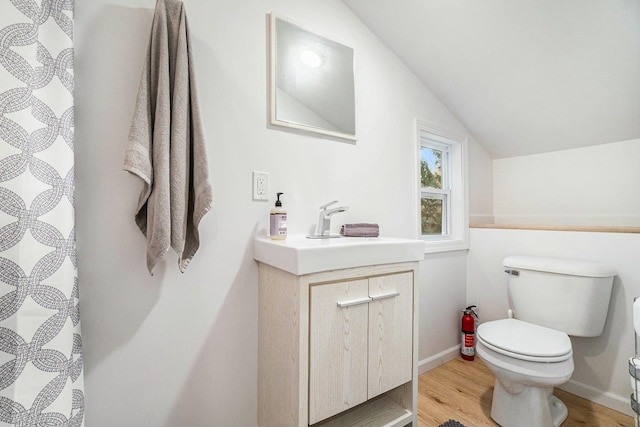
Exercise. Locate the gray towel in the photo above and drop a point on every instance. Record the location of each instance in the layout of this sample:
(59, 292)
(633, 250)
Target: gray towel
(166, 144)
(360, 230)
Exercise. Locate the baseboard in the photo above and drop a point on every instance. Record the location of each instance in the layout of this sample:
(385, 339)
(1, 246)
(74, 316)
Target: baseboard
(610, 400)
(432, 362)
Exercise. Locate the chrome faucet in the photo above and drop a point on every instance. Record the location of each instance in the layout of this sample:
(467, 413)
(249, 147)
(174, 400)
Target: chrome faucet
(324, 221)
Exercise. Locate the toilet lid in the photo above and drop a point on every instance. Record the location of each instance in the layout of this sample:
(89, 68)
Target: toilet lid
(525, 341)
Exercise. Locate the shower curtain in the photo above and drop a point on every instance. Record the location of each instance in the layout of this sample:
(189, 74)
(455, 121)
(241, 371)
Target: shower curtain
(40, 345)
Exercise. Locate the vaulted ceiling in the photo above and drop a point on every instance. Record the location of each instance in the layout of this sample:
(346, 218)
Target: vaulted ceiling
(523, 76)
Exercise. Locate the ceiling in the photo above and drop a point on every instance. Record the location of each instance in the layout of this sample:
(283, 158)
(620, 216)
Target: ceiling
(526, 76)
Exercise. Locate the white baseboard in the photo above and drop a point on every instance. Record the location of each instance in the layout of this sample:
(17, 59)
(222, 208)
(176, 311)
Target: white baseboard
(605, 398)
(436, 360)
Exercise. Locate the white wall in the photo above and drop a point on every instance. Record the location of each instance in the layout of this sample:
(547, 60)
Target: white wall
(181, 349)
(600, 363)
(481, 203)
(443, 278)
(585, 186)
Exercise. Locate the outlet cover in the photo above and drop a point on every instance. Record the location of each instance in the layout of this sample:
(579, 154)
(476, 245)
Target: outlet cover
(260, 185)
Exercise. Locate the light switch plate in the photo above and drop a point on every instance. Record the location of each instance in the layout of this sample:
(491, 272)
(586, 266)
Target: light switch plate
(260, 185)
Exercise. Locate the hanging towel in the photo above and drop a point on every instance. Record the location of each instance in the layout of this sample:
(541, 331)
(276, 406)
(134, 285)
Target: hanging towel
(166, 144)
(360, 230)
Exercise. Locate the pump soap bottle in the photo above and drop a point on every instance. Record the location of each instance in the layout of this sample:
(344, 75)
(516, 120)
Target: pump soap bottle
(278, 219)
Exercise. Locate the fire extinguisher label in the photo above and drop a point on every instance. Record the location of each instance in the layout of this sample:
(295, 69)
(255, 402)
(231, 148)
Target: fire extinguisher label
(468, 344)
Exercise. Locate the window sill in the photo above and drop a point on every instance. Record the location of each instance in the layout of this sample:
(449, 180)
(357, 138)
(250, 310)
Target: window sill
(436, 246)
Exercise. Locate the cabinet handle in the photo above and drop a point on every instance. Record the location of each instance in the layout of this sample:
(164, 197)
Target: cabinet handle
(385, 296)
(348, 303)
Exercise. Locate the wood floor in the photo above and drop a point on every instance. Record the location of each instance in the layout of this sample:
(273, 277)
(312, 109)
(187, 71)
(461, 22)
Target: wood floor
(462, 390)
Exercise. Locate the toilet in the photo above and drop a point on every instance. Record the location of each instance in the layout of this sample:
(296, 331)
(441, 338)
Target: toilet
(530, 352)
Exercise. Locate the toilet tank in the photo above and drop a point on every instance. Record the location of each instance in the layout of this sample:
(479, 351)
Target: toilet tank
(562, 294)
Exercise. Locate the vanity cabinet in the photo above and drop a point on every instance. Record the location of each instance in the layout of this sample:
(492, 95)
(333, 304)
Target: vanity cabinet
(338, 348)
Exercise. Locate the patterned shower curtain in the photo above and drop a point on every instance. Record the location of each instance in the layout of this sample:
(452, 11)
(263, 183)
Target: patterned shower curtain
(40, 346)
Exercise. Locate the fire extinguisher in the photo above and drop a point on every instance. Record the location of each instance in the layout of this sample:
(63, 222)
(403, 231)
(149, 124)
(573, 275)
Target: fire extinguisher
(468, 345)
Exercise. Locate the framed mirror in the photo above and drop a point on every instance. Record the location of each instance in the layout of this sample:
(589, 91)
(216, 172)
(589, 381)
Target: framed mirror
(311, 81)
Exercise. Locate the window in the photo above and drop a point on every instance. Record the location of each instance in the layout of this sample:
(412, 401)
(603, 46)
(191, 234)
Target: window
(435, 191)
(444, 223)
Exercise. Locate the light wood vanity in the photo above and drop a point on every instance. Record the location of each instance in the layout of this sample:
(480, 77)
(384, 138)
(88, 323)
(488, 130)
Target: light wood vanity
(338, 347)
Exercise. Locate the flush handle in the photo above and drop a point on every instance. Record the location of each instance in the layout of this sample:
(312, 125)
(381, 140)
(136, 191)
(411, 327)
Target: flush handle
(512, 272)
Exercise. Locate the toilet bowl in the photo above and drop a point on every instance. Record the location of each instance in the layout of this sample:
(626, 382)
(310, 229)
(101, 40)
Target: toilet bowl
(528, 361)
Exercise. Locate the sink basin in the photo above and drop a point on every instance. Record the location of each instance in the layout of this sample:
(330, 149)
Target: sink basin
(299, 255)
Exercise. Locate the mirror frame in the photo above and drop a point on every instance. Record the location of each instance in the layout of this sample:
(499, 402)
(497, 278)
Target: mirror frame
(273, 101)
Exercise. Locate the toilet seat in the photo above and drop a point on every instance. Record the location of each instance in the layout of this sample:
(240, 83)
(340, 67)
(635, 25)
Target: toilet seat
(525, 341)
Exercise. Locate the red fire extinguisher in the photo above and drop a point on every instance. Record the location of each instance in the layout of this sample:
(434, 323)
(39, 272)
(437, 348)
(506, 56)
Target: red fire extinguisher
(468, 345)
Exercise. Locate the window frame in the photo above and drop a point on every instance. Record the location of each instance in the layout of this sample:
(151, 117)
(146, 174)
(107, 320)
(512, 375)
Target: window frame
(456, 235)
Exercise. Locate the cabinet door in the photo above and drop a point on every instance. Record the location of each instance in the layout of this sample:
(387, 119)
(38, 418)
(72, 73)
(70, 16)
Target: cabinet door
(337, 347)
(390, 332)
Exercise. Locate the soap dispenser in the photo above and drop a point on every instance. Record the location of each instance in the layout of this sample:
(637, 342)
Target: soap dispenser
(278, 220)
